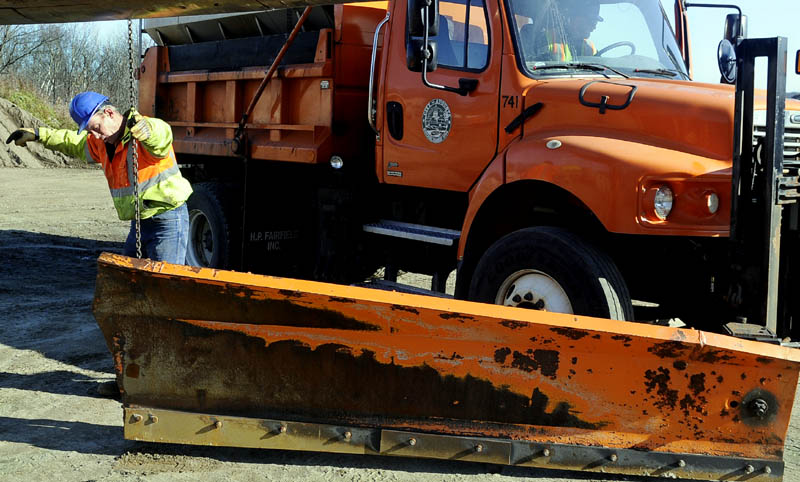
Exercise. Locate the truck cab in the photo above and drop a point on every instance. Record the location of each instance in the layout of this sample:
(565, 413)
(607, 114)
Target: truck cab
(582, 130)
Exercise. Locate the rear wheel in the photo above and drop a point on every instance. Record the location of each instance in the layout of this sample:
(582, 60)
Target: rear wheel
(551, 269)
(212, 232)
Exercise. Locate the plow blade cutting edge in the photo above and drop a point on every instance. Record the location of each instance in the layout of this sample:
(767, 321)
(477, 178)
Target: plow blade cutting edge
(215, 357)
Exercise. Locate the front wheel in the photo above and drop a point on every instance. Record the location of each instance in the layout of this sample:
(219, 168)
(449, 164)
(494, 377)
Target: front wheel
(551, 269)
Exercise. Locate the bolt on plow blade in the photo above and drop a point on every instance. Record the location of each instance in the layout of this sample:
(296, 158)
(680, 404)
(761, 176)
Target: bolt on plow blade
(214, 357)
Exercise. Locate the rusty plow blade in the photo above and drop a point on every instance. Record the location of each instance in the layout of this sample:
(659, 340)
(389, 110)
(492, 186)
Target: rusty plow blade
(214, 357)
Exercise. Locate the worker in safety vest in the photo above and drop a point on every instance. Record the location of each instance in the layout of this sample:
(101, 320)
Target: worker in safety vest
(580, 20)
(104, 136)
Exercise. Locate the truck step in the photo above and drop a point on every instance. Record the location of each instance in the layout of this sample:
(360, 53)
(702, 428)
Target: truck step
(416, 232)
(760, 333)
(386, 285)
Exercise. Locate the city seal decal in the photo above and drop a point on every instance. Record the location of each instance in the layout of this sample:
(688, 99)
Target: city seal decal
(436, 121)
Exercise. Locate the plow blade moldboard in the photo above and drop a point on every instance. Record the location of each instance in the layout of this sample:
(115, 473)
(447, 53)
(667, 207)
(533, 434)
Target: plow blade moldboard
(216, 357)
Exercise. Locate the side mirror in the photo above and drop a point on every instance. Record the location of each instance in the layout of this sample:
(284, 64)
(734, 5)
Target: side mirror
(797, 63)
(416, 52)
(417, 20)
(726, 59)
(733, 29)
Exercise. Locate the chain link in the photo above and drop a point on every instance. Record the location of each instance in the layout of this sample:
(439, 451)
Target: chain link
(134, 153)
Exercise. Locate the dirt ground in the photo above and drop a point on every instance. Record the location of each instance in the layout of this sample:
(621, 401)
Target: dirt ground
(54, 426)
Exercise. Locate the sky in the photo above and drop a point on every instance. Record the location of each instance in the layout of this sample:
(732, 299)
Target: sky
(765, 18)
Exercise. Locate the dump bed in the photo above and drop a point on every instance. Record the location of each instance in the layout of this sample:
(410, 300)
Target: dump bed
(306, 113)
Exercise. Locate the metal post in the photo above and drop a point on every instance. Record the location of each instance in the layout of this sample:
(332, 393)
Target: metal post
(754, 184)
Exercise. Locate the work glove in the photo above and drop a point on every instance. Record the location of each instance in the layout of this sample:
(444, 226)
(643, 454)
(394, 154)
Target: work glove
(22, 136)
(141, 129)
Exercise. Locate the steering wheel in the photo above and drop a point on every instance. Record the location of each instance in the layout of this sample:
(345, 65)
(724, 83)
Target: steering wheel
(623, 43)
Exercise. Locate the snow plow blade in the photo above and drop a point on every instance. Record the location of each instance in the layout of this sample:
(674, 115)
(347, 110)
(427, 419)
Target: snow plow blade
(213, 357)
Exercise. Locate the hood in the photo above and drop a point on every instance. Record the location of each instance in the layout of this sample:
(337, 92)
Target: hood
(689, 117)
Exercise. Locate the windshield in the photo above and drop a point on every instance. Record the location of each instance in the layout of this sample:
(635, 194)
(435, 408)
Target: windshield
(632, 37)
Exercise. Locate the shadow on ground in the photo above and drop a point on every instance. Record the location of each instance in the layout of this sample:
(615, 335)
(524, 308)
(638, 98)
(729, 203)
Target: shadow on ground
(46, 289)
(61, 382)
(70, 436)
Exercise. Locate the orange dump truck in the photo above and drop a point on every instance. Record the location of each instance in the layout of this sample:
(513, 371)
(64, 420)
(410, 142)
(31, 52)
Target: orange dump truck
(563, 164)
(573, 185)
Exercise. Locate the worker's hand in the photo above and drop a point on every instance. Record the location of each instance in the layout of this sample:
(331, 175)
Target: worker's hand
(141, 130)
(22, 136)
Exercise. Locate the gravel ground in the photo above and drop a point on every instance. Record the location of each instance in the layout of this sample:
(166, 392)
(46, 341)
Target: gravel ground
(54, 426)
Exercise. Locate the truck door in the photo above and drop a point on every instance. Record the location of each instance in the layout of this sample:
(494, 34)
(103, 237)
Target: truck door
(435, 138)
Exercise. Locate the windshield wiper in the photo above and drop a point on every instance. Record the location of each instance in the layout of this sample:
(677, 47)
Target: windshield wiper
(675, 62)
(664, 72)
(583, 66)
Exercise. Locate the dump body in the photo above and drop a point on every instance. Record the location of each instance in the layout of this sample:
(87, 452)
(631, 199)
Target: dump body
(193, 347)
(203, 90)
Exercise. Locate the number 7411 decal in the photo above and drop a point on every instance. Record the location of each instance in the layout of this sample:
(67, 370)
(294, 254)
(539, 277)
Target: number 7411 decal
(511, 101)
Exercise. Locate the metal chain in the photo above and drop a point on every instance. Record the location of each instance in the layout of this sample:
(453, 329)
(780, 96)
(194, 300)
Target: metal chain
(134, 153)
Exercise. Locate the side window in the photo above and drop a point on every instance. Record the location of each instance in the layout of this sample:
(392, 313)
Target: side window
(463, 40)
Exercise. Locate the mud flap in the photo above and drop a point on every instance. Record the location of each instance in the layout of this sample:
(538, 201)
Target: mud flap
(216, 357)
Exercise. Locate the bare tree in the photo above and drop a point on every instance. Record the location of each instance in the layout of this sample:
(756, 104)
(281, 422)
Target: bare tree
(65, 59)
(19, 41)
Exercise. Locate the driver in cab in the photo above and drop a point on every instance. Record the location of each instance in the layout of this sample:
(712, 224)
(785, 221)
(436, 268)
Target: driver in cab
(578, 20)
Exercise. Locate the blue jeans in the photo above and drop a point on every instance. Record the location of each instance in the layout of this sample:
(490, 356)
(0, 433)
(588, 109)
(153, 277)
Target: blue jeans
(164, 236)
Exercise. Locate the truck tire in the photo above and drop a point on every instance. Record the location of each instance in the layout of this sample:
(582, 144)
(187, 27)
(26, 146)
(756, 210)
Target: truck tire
(212, 232)
(551, 269)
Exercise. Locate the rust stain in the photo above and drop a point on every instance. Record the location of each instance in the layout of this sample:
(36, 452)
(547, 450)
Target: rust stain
(336, 299)
(453, 356)
(546, 361)
(570, 333)
(709, 355)
(118, 354)
(524, 362)
(658, 381)
(679, 365)
(697, 404)
(132, 370)
(669, 349)
(332, 381)
(512, 324)
(407, 309)
(697, 383)
(501, 354)
(460, 317)
(117, 351)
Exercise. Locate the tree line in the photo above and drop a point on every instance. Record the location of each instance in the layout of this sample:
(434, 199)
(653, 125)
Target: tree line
(61, 60)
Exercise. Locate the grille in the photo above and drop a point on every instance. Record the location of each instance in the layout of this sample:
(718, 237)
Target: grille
(789, 182)
(791, 144)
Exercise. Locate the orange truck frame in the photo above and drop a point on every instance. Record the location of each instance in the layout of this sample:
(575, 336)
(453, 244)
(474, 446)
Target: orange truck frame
(572, 186)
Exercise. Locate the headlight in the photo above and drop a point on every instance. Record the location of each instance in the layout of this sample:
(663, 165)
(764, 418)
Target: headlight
(663, 202)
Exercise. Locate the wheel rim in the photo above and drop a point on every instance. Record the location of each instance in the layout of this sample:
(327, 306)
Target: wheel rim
(201, 240)
(533, 290)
